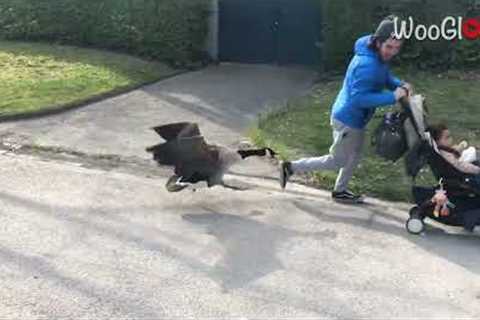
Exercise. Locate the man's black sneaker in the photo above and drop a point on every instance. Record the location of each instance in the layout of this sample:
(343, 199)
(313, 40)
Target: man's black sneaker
(347, 197)
(285, 173)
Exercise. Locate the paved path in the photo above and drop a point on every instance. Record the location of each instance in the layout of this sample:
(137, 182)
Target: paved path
(81, 242)
(224, 101)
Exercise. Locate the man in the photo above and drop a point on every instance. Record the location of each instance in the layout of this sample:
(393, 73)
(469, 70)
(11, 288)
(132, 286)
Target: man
(364, 89)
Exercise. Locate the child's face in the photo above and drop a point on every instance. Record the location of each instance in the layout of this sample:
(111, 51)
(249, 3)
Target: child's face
(445, 139)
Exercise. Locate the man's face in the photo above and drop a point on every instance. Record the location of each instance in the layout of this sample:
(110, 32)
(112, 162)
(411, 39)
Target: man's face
(389, 49)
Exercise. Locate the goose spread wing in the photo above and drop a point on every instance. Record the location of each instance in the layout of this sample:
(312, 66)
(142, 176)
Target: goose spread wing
(179, 151)
(178, 130)
(191, 156)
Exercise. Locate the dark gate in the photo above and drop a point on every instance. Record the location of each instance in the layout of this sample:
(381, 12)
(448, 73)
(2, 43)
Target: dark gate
(270, 31)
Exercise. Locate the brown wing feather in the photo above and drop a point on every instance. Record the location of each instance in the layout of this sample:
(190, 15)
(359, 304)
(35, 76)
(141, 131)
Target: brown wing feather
(187, 151)
(178, 130)
(191, 157)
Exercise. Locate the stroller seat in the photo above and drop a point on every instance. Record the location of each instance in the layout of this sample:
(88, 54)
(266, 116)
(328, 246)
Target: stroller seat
(461, 188)
(456, 182)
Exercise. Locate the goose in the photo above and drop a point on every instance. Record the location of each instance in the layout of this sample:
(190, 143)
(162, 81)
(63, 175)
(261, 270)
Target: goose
(193, 159)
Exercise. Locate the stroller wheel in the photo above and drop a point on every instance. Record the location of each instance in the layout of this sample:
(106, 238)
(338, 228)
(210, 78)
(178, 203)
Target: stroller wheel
(415, 212)
(415, 225)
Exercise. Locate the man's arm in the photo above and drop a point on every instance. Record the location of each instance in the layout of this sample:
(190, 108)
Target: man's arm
(393, 82)
(361, 95)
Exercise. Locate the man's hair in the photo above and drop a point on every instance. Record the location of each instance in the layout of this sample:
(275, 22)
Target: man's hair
(385, 31)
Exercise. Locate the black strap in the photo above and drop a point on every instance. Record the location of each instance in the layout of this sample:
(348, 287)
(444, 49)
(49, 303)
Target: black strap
(450, 150)
(256, 152)
(252, 152)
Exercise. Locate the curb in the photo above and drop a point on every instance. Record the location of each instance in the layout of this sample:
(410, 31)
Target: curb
(49, 111)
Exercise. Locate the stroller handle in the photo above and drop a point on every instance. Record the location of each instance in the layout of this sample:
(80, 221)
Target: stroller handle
(405, 105)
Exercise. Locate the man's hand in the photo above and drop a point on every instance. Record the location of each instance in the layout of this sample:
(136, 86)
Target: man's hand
(408, 86)
(400, 93)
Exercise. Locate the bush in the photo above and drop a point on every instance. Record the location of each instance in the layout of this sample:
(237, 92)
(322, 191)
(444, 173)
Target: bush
(348, 20)
(169, 30)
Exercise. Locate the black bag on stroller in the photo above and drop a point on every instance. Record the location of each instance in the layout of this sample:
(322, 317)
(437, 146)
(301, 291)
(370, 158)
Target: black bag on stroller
(389, 139)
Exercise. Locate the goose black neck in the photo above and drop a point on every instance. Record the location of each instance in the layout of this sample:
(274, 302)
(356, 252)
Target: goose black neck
(252, 152)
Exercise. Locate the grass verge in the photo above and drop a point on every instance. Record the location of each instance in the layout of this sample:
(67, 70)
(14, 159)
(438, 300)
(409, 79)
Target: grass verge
(39, 77)
(302, 128)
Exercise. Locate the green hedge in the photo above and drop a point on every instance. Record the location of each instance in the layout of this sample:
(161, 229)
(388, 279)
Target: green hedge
(169, 30)
(175, 30)
(347, 20)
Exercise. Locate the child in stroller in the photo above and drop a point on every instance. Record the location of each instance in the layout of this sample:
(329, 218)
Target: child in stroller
(459, 179)
(460, 156)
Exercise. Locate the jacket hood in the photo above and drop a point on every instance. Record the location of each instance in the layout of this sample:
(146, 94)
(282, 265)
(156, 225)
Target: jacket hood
(362, 49)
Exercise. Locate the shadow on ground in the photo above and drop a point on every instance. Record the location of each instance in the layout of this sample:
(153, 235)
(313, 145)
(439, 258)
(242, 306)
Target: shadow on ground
(461, 249)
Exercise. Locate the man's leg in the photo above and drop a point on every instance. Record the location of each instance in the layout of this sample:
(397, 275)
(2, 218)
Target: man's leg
(357, 140)
(337, 157)
(340, 151)
(326, 162)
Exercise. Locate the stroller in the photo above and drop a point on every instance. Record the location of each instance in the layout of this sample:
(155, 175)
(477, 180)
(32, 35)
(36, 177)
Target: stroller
(462, 191)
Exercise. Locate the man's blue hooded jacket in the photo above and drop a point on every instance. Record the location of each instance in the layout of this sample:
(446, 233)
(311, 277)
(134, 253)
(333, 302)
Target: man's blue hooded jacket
(364, 87)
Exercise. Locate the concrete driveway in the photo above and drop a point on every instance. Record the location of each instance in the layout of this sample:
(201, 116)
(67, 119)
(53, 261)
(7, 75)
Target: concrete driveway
(86, 236)
(224, 101)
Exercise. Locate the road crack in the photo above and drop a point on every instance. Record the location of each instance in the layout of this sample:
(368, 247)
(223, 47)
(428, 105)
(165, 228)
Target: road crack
(11, 144)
